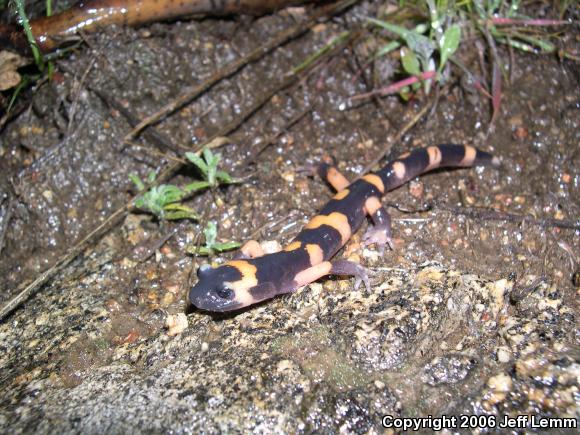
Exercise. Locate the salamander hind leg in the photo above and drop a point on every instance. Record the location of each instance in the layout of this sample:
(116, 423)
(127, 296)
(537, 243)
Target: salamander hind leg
(337, 267)
(345, 267)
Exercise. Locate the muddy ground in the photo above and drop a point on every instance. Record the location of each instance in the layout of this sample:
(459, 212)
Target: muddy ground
(467, 315)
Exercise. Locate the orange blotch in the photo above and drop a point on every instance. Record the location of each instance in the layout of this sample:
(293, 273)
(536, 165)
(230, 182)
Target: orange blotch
(376, 181)
(336, 220)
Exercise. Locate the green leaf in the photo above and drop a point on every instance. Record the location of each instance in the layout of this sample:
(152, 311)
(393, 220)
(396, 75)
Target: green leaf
(210, 158)
(196, 185)
(211, 175)
(151, 176)
(405, 93)
(410, 62)
(421, 45)
(201, 250)
(398, 30)
(169, 193)
(228, 246)
(197, 161)
(386, 49)
(140, 203)
(449, 43)
(179, 211)
(224, 177)
(210, 233)
(545, 46)
(25, 23)
(137, 181)
(212, 161)
(150, 201)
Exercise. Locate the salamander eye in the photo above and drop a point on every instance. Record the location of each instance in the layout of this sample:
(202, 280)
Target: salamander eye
(225, 292)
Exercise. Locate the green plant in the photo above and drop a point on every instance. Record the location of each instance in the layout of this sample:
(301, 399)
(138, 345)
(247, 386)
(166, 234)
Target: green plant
(165, 200)
(437, 33)
(42, 64)
(211, 246)
(208, 166)
(23, 19)
(441, 36)
(507, 25)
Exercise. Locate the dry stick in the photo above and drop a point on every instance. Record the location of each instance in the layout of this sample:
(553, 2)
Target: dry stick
(20, 107)
(388, 146)
(273, 137)
(480, 213)
(9, 116)
(157, 138)
(496, 215)
(235, 66)
(75, 102)
(154, 136)
(116, 217)
(6, 221)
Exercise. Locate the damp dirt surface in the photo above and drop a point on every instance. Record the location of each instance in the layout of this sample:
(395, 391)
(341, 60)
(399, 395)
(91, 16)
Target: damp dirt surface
(467, 316)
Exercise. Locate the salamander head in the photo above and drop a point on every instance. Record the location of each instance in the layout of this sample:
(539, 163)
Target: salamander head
(236, 285)
(213, 291)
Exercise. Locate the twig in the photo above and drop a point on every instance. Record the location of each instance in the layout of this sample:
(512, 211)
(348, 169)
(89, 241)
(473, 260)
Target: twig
(273, 137)
(21, 107)
(51, 152)
(148, 251)
(233, 67)
(156, 152)
(388, 146)
(154, 136)
(496, 215)
(359, 71)
(158, 139)
(490, 214)
(75, 101)
(6, 219)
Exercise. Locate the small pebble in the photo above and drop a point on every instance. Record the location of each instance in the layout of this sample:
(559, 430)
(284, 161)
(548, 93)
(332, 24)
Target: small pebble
(176, 323)
(503, 355)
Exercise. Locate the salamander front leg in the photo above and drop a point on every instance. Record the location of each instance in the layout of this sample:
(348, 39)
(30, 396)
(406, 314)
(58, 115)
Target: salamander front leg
(338, 267)
(380, 233)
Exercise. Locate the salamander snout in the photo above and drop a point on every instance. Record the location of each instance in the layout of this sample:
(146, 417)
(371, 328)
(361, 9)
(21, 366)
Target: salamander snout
(213, 292)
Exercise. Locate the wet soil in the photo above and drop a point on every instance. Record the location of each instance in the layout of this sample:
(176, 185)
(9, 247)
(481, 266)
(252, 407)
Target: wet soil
(467, 315)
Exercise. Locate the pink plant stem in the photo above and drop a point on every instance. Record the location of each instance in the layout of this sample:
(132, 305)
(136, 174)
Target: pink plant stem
(539, 22)
(395, 87)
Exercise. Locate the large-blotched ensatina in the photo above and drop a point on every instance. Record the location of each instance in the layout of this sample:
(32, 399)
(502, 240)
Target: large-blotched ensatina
(255, 277)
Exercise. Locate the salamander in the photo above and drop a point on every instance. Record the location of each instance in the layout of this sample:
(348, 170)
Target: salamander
(253, 276)
(87, 16)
